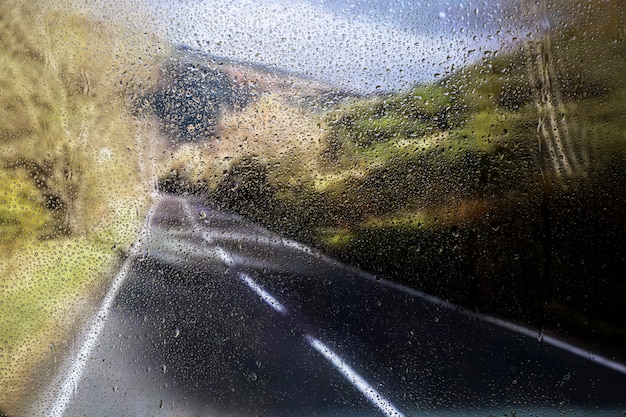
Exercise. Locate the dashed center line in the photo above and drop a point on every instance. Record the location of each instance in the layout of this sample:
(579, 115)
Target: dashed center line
(364, 387)
(225, 257)
(354, 378)
(264, 295)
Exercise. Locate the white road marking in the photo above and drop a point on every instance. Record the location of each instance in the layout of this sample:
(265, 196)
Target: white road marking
(225, 257)
(247, 237)
(354, 378)
(535, 334)
(553, 341)
(264, 295)
(550, 340)
(78, 363)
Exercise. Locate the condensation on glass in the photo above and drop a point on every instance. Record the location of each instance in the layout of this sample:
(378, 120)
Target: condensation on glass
(312, 207)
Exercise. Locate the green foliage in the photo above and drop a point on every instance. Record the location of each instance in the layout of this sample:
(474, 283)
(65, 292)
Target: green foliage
(49, 282)
(449, 182)
(23, 214)
(71, 190)
(63, 83)
(416, 113)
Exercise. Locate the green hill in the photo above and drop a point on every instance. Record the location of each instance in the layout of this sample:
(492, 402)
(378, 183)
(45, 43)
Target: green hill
(500, 187)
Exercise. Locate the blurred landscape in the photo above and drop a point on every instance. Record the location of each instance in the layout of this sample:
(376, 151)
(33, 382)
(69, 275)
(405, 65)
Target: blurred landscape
(75, 176)
(500, 187)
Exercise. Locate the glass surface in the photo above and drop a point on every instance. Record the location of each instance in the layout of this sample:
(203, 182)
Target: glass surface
(314, 207)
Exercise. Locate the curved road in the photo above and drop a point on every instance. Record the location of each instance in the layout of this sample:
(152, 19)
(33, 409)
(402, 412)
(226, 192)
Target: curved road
(214, 316)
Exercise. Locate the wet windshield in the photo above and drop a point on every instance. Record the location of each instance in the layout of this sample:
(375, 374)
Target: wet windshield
(314, 207)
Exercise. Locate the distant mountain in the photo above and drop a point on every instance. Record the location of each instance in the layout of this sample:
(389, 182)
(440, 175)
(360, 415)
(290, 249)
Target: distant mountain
(195, 88)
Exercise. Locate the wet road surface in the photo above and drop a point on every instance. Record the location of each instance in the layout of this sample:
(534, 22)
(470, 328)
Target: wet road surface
(214, 316)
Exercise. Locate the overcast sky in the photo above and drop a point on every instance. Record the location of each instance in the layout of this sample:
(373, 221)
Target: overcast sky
(362, 45)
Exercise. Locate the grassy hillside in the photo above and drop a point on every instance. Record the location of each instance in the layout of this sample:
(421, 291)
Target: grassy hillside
(500, 187)
(74, 182)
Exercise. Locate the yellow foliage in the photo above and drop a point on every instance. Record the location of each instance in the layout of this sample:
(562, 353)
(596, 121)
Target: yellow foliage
(22, 211)
(71, 152)
(63, 103)
(284, 136)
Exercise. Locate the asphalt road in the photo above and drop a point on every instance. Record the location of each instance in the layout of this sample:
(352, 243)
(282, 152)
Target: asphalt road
(214, 316)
